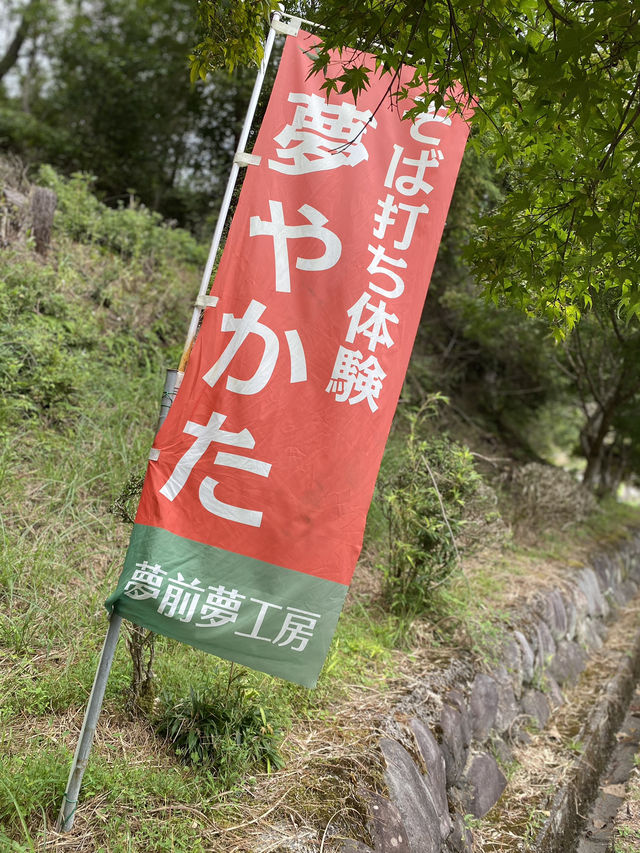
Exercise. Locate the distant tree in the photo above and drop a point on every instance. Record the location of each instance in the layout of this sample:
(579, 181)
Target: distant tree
(509, 364)
(601, 357)
(120, 89)
(10, 57)
(116, 101)
(494, 356)
(30, 17)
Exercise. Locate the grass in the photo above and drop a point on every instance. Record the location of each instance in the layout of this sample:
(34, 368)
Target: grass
(63, 460)
(111, 316)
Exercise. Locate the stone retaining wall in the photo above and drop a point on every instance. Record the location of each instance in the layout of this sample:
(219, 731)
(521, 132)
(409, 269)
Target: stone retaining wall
(441, 763)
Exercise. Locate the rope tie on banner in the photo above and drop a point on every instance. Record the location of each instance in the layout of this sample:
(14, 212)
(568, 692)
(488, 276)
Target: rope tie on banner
(243, 158)
(297, 21)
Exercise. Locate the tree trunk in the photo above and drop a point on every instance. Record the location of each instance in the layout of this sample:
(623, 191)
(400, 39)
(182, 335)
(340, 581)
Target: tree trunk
(614, 469)
(593, 445)
(43, 207)
(12, 52)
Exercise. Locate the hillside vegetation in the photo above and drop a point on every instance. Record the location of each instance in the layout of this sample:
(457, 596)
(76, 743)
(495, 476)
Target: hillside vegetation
(517, 430)
(86, 330)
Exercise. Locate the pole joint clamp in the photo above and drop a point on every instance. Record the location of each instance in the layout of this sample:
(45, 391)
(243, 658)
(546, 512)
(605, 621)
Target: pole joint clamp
(286, 29)
(206, 301)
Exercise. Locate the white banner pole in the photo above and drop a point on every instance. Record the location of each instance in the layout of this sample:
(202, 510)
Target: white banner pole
(94, 706)
(81, 758)
(238, 160)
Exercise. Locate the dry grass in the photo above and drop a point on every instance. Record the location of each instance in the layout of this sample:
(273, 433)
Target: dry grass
(543, 496)
(542, 765)
(626, 837)
(309, 805)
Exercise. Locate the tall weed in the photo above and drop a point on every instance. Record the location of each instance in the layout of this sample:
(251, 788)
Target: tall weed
(422, 501)
(222, 728)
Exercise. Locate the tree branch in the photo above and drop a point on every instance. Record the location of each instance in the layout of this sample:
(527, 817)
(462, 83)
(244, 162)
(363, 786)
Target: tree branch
(11, 54)
(556, 15)
(620, 132)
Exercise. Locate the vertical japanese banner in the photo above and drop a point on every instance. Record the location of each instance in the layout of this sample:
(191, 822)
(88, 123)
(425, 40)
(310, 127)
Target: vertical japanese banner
(256, 495)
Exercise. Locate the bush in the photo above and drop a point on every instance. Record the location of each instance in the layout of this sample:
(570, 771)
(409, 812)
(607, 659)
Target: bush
(542, 497)
(223, 729)
(423, 503)
(133, 232)
(115, 302)
(44, 348)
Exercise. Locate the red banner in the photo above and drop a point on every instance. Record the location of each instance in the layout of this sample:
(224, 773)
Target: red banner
(271, 449)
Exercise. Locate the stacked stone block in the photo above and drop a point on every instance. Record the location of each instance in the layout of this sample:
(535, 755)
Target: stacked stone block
(440, 771)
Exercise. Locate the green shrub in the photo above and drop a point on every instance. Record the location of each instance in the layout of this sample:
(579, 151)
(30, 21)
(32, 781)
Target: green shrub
(133, 232)
(422, 501)
(223, 729)
(44, 349)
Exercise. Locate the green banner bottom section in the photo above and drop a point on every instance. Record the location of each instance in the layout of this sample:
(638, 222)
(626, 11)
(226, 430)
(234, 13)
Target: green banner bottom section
(263, 616)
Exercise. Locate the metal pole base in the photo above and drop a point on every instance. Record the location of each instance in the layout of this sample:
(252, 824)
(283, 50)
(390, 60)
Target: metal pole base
(81, 757)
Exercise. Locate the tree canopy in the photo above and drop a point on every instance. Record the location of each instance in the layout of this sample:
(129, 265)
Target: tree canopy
(555, 87)
(545, 214)
(549, 219)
